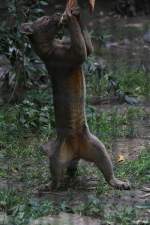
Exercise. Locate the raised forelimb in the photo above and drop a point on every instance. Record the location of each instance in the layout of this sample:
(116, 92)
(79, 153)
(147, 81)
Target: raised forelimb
(74, 52)
(86, 35)
(73, 7)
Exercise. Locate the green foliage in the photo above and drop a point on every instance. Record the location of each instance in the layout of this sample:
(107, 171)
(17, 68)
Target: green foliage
(30, 116)
(26, 66)
(140, 168)
(124, 216)
(93, 206)
(102, 81)
(114, 123)
(21, 209)
(133, 81)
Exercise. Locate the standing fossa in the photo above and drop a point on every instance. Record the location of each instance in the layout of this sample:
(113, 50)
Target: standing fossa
(63, 61)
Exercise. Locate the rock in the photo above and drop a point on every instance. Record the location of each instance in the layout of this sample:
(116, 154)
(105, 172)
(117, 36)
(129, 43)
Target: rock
(131, 100)
(134, 25)
(146, 37)
(126, 41)
(112, 44)
(65, 219)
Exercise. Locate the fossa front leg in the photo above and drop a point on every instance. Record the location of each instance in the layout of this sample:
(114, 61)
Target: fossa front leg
(96, 152)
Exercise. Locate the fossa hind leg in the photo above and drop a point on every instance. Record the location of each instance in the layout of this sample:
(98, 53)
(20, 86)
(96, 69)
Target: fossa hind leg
(95, 152)
(72, 168)
(59, 162)
(51, 149)
(57, 169)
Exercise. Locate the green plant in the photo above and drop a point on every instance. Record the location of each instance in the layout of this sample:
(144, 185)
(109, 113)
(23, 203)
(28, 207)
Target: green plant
(25, 64)
(21, 209)
(137, 169)
(124, 216)
(92, 207)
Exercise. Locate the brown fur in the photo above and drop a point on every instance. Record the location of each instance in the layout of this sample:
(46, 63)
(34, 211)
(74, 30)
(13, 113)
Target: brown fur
(64, 63)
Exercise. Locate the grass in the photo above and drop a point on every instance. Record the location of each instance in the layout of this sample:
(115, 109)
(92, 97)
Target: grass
(134, 81)
(32, 170)
(114, 123)
(24, 126)
(21, 209)
(140, 168)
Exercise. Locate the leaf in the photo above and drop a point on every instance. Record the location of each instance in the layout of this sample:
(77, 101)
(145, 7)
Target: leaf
(14, 170)
(120, 158)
